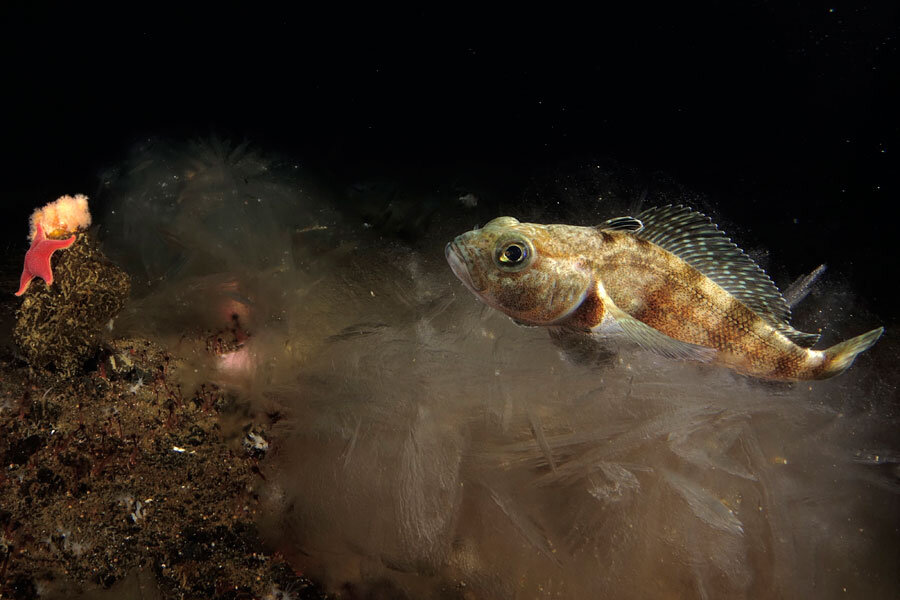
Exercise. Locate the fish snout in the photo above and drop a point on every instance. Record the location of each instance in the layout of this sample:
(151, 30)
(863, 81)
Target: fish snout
(458, 264)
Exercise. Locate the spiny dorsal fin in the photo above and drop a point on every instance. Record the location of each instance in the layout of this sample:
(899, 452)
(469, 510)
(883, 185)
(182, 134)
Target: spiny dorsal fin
(621, 224)
(694, 238)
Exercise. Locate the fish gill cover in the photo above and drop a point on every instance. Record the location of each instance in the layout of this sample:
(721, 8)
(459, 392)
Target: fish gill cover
(426, 446)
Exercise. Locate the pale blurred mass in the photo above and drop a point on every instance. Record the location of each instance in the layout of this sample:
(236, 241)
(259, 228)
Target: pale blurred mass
(428, 447)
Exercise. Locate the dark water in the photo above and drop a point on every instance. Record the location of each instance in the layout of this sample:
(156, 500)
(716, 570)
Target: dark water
(780, 114)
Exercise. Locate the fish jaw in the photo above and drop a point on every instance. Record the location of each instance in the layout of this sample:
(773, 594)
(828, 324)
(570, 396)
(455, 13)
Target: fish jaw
(457, 261)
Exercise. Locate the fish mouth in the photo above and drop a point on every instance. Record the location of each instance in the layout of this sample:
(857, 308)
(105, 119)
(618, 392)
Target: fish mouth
(458, 266)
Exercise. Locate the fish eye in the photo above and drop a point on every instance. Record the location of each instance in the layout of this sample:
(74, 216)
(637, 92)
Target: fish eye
(512, 254)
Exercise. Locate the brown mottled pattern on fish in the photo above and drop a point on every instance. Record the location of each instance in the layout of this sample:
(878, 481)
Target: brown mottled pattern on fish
(587, 278)
(661, 290)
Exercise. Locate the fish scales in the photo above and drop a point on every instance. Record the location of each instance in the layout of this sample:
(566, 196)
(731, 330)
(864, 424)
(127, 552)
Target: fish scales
(661, 290)
(669, 279)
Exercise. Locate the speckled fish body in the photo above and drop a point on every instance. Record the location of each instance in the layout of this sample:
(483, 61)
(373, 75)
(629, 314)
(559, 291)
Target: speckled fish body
(668, 279)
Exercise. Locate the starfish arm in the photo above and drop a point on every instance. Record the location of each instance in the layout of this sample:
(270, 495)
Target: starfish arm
(57, 244)
(23, 283)
(37, 259)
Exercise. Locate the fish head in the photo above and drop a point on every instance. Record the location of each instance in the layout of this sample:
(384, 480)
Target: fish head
(524, 270)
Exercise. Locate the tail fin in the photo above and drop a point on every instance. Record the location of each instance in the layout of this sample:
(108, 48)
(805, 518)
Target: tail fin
(840, 356)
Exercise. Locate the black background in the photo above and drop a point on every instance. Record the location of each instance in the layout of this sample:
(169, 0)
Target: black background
(785, 114)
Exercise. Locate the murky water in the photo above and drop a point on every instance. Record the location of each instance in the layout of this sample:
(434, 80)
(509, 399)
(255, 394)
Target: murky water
(431, 447)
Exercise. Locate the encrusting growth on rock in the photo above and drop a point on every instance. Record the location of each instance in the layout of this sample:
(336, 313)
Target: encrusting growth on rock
(119, 479)
(65, 215)
(58, 328)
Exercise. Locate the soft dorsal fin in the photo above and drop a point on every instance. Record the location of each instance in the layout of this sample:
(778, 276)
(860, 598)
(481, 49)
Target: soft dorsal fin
(621, 224)
(694, 238)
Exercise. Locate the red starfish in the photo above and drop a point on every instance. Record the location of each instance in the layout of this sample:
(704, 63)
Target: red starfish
(37, 259)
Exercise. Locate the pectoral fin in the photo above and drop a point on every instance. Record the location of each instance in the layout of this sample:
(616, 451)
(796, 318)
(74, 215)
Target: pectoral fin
(651, 339)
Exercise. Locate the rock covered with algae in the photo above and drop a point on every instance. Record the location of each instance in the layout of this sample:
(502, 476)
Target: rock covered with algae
(58, 324)
(117, 478)
(58, 327)
(120, 484)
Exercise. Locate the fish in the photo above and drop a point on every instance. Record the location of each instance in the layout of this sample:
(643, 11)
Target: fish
(668, 279)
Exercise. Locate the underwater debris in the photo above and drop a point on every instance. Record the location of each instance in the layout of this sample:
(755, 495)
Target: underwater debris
(469, 200)
(255, 443)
